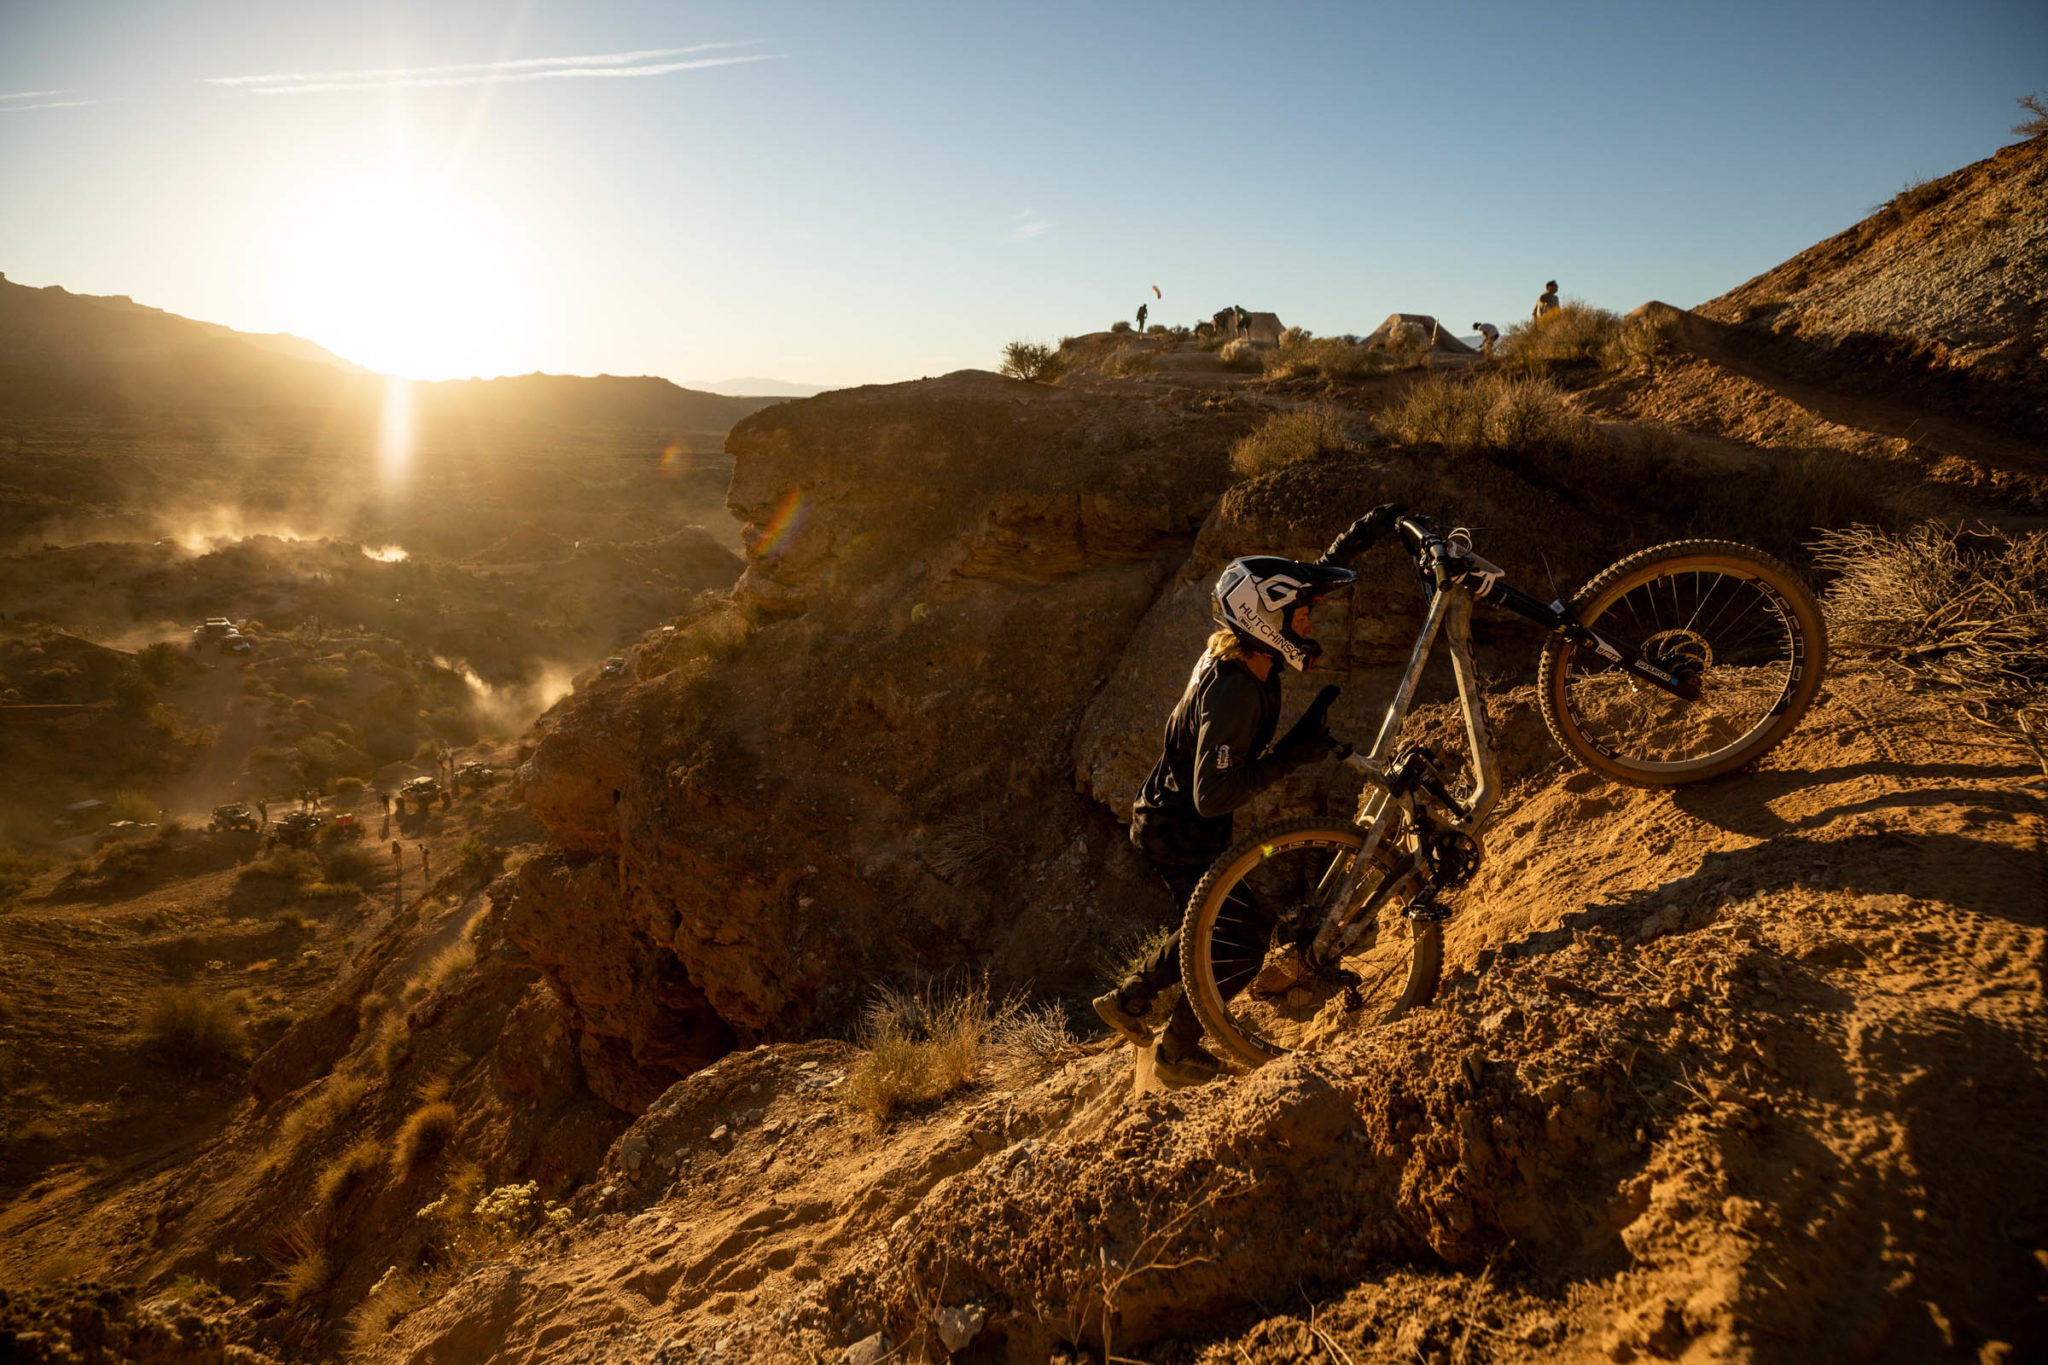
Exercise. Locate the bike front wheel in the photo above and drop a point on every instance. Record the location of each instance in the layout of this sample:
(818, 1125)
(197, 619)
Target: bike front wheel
(1244, 980)
(1732, 617)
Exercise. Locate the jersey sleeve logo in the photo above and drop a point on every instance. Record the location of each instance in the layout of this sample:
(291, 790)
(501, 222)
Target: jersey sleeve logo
(1222, 757)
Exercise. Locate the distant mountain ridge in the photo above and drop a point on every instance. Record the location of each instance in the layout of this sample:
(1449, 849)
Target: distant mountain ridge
(755, 387)
(68, 355)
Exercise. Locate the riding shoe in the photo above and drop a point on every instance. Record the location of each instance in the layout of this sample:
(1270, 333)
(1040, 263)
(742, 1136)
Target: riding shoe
(1124, 1017)
(1179, 1063)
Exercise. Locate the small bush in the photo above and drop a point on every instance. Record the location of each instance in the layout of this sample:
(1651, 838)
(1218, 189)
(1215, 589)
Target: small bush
(1968, 608)
(920, 1047)
(968, 847)
(1914, 198)
(1575, 334)
(426, 1133)
(322, 679)
(1239, 354)
(1327, 358)
(1030, 1043)
(134, 693)
(2036, 105)
(475, 858)
(350, 864)
(1030, 361)
(285, 865)
(394, 1046)
(1289, 438)
(395, 1294)
(192, 1029)
(1490, 414)
(158, 662)
(346, 786)
(308, 1272)
(333, 1101)
(341, 1177)
(444, 966)
(18, 869)
(1639, 343)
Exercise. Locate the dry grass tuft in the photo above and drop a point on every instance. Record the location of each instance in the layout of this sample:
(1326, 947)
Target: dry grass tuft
(334, 1100)
(190, 1028)
(425, 1135)
(393, 1047)
(395, 1294)
(1964, 607)
(1239, 354)
(1575, 334)
(1491, 414)
(921, 1046)
(344, 1175)
(1332, 359)
(285, 865)
(1640, 343)
(1289, 438)
(966, 848)
(1028, 1044)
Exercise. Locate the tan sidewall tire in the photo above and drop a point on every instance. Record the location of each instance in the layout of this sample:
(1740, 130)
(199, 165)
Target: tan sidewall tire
(1198, 979)
(1609, 584)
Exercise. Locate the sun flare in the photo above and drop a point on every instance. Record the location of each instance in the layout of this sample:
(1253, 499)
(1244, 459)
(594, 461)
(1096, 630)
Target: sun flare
(402, 273)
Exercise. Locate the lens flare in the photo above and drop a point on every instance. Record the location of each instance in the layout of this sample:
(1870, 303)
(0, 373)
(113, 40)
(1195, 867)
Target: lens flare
(394, 442)
(783, 526)
(674, 455)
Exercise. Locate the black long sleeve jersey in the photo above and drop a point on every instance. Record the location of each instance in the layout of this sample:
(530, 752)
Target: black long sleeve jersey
(1212, 763)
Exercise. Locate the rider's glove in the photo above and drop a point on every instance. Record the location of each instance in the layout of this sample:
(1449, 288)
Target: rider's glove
(1309, 739)
(1366, 530)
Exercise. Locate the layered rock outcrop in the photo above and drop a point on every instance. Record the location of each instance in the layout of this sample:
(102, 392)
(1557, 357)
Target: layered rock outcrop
(860, 767)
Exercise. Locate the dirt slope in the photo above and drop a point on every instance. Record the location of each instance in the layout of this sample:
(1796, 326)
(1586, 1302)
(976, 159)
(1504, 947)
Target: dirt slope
(1746, 1072)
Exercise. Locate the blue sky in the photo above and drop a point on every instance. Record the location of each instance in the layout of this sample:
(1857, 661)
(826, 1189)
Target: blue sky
(866, 192)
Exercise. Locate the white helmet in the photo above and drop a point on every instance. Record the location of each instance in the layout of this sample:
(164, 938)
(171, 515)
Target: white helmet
(1256, 596)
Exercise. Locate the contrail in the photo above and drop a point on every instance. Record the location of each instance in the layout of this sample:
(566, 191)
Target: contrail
(641, 63)
(54, 104)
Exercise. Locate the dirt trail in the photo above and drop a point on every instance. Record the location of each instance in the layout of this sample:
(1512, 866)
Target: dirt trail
(1738, 1072)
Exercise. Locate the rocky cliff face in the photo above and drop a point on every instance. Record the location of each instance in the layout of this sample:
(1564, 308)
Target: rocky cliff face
(860, 767)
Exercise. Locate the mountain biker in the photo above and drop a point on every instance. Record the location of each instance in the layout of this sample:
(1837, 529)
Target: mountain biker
(1216, 759)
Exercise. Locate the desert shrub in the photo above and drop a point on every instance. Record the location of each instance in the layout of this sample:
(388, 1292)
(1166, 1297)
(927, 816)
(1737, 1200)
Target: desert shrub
(134, 693)
(1490, 413)
(158, 662)
(1964, 607)
(1120, 328)
(452, 961)
(346, 785)
(394, 1046)
(170, 828)
(1326, 358)
(1914, 198)
(1239, 354)
(285, 865)
(1028, 360)
(1639, 342)
(18, 869)
(476, 858)
(918, 1047)
(1574, 334)
(395, 1294)
(306, 1274)
(1028, 1044)
(425, 1134)
(350, 864)
(132, 805)
(968, 847)
(321, 679)
(1289, 438)
(344, 1175)
(192, 1029)
(335, 1100)
(2036, 107)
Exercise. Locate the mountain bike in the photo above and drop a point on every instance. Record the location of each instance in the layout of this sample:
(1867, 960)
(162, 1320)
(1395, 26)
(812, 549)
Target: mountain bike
(1678, 664)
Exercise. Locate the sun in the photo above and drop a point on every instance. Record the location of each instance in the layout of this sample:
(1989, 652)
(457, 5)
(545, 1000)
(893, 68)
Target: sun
(403, 273)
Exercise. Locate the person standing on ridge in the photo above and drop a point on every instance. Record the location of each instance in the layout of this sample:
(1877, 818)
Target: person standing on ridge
(1488, 336)
(1242, 319)
(1143, 309)
(1546, 302)
(1216, 758)
(262, 812)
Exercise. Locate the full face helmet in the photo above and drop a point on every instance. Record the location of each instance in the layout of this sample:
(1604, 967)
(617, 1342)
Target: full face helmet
(1255, 597)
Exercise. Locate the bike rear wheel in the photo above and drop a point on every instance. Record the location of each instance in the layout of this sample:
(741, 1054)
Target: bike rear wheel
(1732, 616)
(1281, 877)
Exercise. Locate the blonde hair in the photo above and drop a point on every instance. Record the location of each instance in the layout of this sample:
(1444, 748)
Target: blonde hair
(1224, 644)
